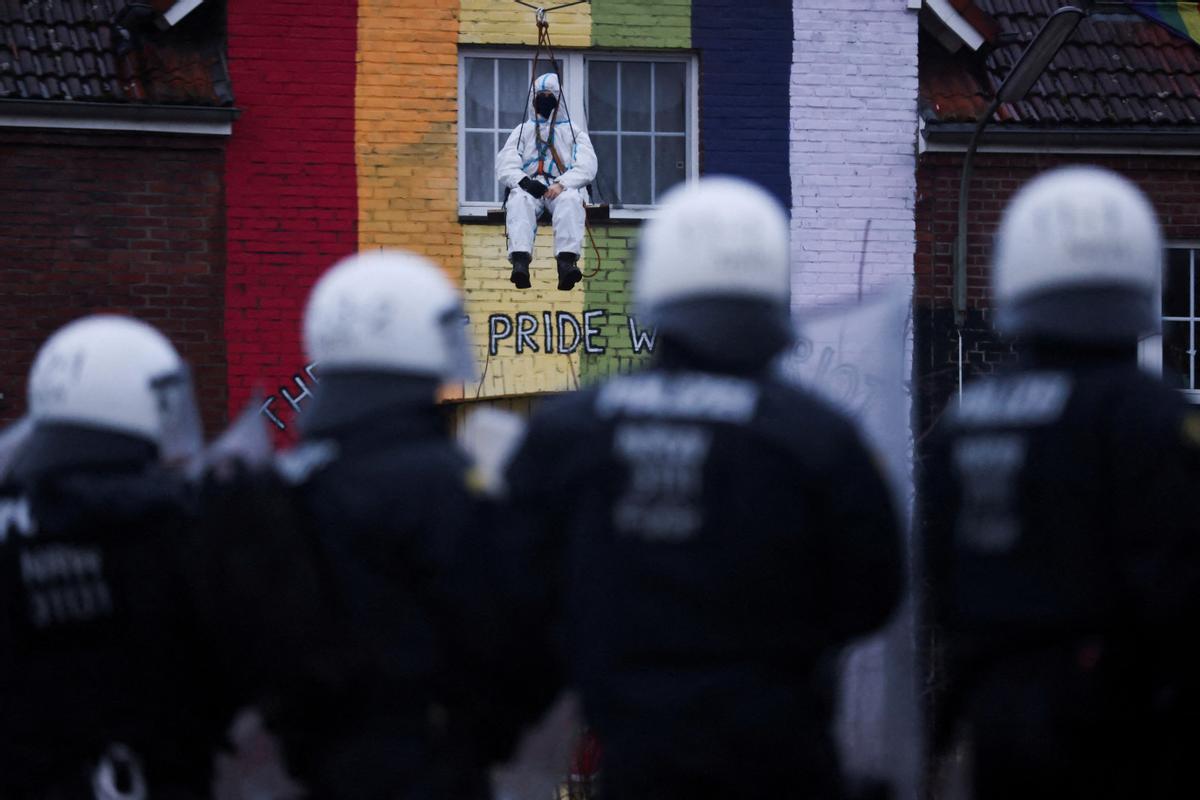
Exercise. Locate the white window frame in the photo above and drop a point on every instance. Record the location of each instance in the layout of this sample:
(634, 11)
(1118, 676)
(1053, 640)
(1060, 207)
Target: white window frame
(575, 86)
(1150, 349)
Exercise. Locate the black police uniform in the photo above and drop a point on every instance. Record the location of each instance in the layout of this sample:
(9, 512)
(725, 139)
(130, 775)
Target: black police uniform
(708, 536)
(125, 621)
(426, 701)
(1061, 555)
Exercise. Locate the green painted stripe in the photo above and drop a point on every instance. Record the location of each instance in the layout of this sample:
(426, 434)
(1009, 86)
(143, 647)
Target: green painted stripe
(641, 23)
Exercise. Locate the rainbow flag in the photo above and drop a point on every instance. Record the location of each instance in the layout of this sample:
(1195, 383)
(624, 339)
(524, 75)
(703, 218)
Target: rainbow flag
(1180, 16)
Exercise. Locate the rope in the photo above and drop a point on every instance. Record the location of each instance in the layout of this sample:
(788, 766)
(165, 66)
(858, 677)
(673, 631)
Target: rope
(543, 27)
(543, 11)
(544, 34)
(483, 375)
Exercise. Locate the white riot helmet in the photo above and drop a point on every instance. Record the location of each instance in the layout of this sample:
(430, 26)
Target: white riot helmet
(116, 374)
(389, 311)
(717, 245)
(1078, 258)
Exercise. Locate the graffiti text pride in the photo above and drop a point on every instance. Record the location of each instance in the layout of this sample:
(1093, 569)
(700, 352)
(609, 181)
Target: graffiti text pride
(558, 332)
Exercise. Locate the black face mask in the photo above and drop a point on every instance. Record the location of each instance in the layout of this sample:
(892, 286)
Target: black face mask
(544, 104)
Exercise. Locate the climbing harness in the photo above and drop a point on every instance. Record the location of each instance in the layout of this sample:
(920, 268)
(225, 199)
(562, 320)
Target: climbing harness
(544, 43)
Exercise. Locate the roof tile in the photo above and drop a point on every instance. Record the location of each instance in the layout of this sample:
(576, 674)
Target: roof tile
(67, 50)
(1117, 69)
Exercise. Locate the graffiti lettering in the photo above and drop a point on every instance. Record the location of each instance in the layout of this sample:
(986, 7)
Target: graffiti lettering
(846, 383)
(565, 319)
(499, 327)
(294, 400)
(589, 331)
(561, 332)
(527, 326)
(640, 339)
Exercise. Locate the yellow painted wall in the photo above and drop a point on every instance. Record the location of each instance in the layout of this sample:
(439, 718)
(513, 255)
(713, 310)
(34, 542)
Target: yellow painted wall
(406, 128)
(485, 263)
(406, 146)
(496, 22)
(488, 291)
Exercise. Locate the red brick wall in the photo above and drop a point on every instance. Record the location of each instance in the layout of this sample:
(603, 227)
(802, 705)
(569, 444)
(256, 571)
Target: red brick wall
(121, 223)
(290, 178)
(1172, 183)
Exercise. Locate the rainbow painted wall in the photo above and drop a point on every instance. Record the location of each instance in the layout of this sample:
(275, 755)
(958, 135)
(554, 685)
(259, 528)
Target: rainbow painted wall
(348, 140)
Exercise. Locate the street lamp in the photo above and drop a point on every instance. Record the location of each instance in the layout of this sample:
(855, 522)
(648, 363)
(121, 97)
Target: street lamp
(1057, 28)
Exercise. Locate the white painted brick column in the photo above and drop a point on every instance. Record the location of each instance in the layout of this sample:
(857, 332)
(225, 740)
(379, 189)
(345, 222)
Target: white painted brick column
(853, 162)
(853, 146)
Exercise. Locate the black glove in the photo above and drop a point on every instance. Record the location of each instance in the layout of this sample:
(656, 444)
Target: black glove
(535, 188)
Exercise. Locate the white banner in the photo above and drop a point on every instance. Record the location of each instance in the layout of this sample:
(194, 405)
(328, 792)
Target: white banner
(859, 358)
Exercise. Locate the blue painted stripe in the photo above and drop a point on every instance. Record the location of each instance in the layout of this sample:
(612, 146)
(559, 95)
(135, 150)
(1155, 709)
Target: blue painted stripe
(745, 93)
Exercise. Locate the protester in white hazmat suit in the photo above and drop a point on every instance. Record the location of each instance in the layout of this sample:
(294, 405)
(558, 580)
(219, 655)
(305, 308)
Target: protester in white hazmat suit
(547, 162)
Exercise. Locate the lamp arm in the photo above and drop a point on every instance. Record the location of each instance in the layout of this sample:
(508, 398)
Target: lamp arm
(960, 243)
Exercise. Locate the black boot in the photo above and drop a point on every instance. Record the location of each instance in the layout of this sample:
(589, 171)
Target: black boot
(568, 271)
(520, 269)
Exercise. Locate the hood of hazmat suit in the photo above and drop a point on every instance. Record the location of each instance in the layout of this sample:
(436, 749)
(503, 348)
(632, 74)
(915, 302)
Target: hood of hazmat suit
(532, 146)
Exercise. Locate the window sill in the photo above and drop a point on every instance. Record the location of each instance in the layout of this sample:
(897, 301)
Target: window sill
(597, 214)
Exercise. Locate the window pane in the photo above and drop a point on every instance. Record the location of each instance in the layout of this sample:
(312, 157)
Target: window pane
(1175, 288)
(480, 92)
(516, 86)
(602, 96)
(480, 167)
(514, 91)
(635, 96)
(604, 188)
(1176, 362)
(670, 163)
(669, 92)
(635, 170)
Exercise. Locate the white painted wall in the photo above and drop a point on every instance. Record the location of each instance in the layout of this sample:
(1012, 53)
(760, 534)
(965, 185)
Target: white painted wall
(853, 161)
(853, 146)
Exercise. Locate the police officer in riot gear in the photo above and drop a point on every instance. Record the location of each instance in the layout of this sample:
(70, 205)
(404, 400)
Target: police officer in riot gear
(1061, 550)
(706, 535)
(120, 655)
(391, 501)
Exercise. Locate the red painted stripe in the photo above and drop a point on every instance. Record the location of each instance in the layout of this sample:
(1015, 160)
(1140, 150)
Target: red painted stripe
(291, 191)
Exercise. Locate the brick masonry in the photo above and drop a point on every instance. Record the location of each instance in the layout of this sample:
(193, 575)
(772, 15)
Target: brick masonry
(636, 23)
(121, 223)
(745, 60)
(290, 174)
(609, 289)
(853, 120)
(1172, 183)
(489, 292)
(853, 158)
(347, 140)
(489, 22)
(406, 128)
(485, 269)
